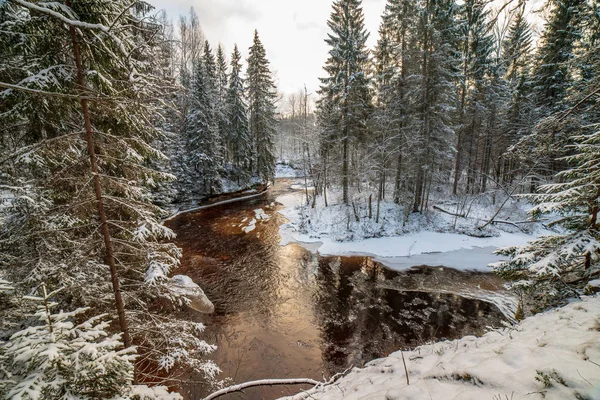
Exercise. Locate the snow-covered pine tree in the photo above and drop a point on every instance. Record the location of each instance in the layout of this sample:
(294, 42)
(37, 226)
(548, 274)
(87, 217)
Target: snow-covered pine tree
(262, 93)
(476, 47)
(202, 125)
(237, 133)
(51, 227)
(518, 117)
(586, 66)
(435, 99)
(58, 358)
(554, 266)
(552, 76)
(384, 122)
(221, 111)
(399, 18)
(347, 86)
(552, 79)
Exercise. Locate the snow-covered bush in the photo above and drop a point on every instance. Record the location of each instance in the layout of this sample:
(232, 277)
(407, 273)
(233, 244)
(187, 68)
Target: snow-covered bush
(59, 358)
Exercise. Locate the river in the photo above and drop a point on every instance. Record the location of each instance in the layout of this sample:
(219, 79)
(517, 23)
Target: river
(283, 311)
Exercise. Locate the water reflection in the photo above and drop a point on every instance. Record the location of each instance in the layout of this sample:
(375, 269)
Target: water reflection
(366, 311)
(285, 312)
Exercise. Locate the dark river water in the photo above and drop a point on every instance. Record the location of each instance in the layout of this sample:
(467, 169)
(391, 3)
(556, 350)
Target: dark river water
(284, 312)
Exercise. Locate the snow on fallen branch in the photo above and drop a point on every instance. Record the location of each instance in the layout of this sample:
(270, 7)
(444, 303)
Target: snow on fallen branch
(219, 203)
(271, 382)
(263, 382)
(449, 212)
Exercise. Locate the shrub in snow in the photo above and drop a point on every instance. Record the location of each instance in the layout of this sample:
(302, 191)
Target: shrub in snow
(61, 359)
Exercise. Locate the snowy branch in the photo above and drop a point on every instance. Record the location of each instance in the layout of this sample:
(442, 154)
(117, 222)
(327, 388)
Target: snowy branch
(72, 22)
(58, 15)
(45, 93)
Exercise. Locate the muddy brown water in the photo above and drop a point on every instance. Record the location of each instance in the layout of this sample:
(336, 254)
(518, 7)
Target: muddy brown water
(284, 312)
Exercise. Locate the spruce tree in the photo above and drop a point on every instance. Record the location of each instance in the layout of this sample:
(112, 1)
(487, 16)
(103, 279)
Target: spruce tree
(400, 18)
(57, 358)
(347, 86)
(552, 76)
(261, 92)
(435, 97)
(384, 123)
(552, 80)
(202, 125)
(222, 85)
(476, 46)
(518, 117)
(237, 131)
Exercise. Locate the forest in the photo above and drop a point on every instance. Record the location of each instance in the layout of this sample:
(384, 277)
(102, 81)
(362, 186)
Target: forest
(466, 117)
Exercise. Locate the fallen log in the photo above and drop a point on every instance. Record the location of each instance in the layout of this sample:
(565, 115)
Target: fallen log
(262, 382)
(448, 212)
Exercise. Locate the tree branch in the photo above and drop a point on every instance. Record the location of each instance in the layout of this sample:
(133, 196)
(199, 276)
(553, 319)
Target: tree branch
(45, 93)
(263, 382)
(71, 22)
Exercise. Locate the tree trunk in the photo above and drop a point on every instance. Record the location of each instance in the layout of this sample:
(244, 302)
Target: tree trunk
(89, 138)
(381, 184)
(418, 191)
(345, 170)
(457, 164)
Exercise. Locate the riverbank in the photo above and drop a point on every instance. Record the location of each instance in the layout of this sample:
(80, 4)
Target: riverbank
(401, 241)
(553, 356)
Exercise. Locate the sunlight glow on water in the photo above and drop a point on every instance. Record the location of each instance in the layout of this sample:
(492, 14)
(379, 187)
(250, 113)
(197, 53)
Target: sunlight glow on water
(283, 312)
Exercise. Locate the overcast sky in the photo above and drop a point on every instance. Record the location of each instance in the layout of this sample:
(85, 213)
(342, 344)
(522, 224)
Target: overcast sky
(292, 31)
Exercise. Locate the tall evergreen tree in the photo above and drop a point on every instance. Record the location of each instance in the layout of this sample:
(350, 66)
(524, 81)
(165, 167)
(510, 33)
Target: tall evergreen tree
(552, 77)
(261, 92)
(400, 18)
(202, 126)
(222, 86)
(237, 132)
(435, 101)
(552, 80)
(476, 46)
(347, 86)
(516, 59)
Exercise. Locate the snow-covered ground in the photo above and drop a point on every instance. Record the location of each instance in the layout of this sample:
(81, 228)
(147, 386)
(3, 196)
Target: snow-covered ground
(285, 171)
(552, 356)
(436, 239)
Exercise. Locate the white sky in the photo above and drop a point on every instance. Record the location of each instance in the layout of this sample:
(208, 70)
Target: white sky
(292, 31)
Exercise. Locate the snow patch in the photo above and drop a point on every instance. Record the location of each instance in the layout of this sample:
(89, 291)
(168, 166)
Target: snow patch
(261, 215)
(250, 227)
(398, 245)
(285, 171)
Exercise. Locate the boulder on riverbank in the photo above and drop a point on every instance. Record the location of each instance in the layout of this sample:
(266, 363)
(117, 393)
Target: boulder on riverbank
(184, 286)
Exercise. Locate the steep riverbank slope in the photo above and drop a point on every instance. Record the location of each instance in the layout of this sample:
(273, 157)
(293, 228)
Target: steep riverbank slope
(551, 356)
